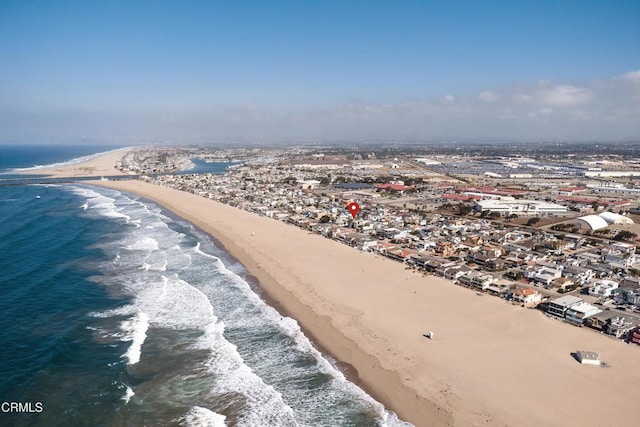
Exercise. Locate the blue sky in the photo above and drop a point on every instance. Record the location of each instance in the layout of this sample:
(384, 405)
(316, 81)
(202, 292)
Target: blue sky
(301, 70)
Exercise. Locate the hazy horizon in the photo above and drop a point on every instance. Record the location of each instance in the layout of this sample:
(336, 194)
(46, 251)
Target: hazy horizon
(212, 72)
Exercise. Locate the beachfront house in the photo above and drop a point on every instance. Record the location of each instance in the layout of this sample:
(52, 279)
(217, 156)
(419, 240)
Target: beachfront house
(558, 307)
(599, 321)
(578, 313)
(476, 279)
(442, 269)
(433, 263)
(498, 288)
(527, 296)
(620, 326)
(456, 271)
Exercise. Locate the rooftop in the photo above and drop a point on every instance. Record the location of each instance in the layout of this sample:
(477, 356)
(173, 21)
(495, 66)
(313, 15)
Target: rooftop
(566, 300)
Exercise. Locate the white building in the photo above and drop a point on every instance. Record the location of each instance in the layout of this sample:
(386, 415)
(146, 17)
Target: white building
(308, 184)
(620, 255)
(614, 218)
(426, 161)
(588, 358)
(544, 275)
(578, 313)
(527, 296)
(590, 222)
(489, 196)
(603, 289)
(559, 306)
(610, 174)
(520, 207)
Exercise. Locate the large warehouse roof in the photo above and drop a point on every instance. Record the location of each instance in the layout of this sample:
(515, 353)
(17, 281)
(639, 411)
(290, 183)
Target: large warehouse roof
(614, 218)
(596, 222)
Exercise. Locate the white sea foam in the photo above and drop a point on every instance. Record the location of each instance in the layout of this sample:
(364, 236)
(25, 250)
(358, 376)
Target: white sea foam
(143, 244)
(128, 395)
(267, 406)
(125, 310)
(291, 328)
(202, 417)
(104, 205)
(174, 282)
(175, 304)
(135, 329)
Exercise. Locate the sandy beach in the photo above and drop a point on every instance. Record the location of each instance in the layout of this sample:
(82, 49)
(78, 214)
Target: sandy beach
(491, 363)
(102, 165)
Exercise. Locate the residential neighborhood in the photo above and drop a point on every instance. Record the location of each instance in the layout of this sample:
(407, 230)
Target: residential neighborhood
(520, 239)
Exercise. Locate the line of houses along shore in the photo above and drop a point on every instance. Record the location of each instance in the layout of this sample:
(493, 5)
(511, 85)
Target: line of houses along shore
(576, 278)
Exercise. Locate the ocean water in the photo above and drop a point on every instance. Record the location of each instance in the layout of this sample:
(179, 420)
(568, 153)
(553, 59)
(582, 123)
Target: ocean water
(33, 157)
(113, 313)
(200, 166)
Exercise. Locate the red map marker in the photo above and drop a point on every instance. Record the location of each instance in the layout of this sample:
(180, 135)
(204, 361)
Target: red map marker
(354, 208)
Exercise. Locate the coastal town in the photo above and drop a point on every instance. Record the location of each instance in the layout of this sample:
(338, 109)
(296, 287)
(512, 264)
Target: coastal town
(556, 233)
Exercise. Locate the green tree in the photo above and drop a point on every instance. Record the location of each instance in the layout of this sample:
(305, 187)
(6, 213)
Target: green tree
(625, 235)
(464, 209)
(533, 221)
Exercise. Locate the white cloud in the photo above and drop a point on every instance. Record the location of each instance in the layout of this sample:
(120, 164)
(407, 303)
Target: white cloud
(565, 95)
(634, 76)
(487, 96)
(600, 108)
(523, 98)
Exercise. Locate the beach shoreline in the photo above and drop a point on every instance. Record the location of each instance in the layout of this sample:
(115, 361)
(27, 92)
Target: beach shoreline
(350, 371)
(103, 164)
(369, 313)
(386, 387)
(491, 363)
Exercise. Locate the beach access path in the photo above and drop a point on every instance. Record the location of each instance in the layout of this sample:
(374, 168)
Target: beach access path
(490, 363)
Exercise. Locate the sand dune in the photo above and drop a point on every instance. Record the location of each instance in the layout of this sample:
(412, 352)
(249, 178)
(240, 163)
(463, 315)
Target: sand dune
(490, 363)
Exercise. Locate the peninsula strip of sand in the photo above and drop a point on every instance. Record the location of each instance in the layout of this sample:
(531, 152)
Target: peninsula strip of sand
(491, 363)
(101, 165)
